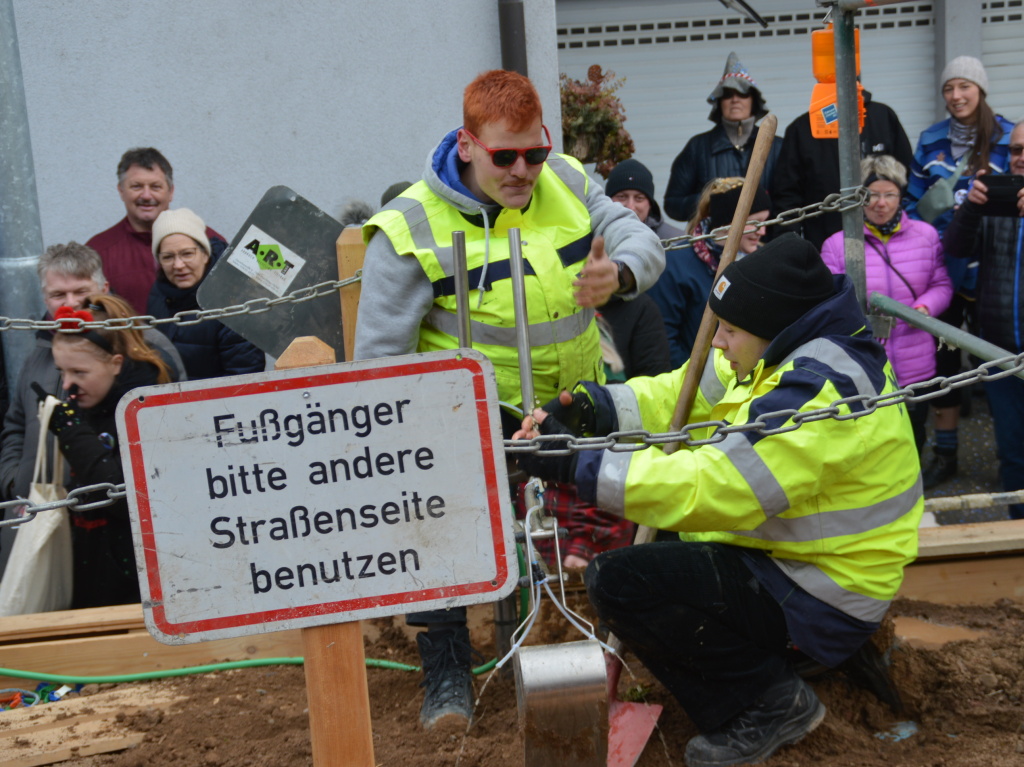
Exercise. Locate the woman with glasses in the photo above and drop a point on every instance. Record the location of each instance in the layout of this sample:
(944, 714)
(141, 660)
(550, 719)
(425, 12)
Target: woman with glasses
(184, 257)
(951, 153)
(903, 260)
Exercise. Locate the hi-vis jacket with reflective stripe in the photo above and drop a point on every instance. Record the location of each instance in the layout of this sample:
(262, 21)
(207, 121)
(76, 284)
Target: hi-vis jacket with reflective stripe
(836, 504)
(556, 227)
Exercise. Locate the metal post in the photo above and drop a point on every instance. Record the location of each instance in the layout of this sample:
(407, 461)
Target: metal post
(461, 288)
(512, 28)
(954, 336)
(21, 236)
(515, 258)
(849, 149)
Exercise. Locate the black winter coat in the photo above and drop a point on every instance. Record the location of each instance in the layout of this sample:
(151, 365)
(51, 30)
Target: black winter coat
(101, 539)
(992, 241)
(639, 334)
(808, 167)
(209, 349)
(708, 156)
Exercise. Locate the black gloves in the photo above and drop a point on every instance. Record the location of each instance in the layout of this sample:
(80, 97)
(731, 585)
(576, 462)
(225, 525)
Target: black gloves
(577, 417)
(65, 415)
(554, 468)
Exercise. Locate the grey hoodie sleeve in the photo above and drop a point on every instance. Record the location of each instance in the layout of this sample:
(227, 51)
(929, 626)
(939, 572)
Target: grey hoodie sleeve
(626, 239)
(396, 295)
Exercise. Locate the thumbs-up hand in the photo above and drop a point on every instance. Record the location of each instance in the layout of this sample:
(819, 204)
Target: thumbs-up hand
(599, 278)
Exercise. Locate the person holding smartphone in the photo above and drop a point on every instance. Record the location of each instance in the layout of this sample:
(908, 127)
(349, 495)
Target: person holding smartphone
(982, 231)
(949, 154)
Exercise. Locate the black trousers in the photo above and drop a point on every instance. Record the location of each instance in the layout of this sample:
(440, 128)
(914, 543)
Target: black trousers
(698, 619)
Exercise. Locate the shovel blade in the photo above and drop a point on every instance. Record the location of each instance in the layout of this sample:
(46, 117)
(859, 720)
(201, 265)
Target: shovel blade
(630, 727)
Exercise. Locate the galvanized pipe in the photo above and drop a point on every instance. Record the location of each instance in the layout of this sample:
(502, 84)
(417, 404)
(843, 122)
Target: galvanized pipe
(515, 258)
(512, 29)
(21, 236)
(849, 149)
(954, 336)
(973, 501)
(461, 289)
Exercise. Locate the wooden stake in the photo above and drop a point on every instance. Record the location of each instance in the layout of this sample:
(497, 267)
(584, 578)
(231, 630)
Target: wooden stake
(339, 699)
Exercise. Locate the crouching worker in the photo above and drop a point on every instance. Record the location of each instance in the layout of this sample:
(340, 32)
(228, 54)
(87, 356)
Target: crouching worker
(787, 540)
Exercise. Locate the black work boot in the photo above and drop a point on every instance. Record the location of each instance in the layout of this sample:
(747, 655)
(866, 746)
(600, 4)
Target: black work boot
(447, 675)
(941, 468)
(786, 712)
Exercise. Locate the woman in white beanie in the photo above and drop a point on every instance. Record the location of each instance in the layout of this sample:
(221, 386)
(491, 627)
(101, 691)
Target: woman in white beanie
(948, 156)
(184, 257)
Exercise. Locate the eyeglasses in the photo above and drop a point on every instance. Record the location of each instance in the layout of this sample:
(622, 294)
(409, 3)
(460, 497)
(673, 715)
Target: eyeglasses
(506, 157)
(1015, 149)
(888, 196)
(188, 256)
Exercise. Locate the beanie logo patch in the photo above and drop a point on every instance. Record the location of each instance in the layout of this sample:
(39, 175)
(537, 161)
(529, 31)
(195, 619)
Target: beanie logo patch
(720, 287)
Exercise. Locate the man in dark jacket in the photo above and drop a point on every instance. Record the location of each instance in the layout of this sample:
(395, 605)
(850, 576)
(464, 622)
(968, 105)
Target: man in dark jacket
(808, 168)
(724, 150)
(996, 242)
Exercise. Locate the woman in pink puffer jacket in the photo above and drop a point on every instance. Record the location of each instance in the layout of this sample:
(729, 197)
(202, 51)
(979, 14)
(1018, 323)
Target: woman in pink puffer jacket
(903, 260)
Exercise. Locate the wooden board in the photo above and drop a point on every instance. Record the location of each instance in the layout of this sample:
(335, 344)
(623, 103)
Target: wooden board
(92, 620)
(976, 581)
(78, 727)
(976, 539)
(136, 652)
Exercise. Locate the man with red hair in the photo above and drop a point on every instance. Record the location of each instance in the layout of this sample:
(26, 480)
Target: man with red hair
(494, 174)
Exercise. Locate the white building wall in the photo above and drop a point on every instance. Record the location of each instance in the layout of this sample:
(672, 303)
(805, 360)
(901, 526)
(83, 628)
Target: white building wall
(335, 98)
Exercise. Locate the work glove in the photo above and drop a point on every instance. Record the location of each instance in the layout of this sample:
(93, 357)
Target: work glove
(553, 468)
(65, 415)
(582, 416)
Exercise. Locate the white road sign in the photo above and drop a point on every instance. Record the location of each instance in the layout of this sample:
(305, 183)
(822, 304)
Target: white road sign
(318, 495)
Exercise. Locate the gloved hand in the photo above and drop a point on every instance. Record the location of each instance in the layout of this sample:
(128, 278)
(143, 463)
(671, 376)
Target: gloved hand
(65, 415)
(586, 411)
(574, 410)
(554, 468)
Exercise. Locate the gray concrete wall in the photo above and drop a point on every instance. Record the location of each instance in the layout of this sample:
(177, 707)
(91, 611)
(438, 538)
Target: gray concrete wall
(335, 98)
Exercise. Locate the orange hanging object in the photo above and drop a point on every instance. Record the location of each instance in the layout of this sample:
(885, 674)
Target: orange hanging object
(824, 109)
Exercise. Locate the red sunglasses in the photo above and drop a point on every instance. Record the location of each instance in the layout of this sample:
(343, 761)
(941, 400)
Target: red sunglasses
(506, 158)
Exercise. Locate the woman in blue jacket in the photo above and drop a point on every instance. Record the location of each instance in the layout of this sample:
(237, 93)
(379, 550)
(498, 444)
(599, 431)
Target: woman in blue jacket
(972, 138)
(184, 255)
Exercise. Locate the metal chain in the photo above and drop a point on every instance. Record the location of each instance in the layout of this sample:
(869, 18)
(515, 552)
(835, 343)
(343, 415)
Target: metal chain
(640, 439)
(187, 317)
(845, 199)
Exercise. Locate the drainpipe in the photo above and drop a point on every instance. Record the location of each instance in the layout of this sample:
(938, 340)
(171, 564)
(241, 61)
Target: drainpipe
(21, 236)
(512, 27)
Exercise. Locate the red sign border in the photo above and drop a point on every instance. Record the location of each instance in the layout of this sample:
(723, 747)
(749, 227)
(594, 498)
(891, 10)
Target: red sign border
(145, 518)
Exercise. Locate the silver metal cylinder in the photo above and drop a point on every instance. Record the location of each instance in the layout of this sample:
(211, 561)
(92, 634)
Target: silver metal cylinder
(562, 694)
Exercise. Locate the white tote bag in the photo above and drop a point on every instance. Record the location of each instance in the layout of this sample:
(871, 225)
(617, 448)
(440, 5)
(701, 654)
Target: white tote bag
(38, 575)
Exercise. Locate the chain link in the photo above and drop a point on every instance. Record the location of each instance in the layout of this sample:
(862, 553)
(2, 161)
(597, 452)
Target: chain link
(187, 317)
(641, 439)
(845, 199)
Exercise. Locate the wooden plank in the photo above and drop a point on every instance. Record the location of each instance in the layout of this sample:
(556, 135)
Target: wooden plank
(350, 253)
(136, 653)
(92, 620)
(979, 581)
(67, 729)
(976, 539)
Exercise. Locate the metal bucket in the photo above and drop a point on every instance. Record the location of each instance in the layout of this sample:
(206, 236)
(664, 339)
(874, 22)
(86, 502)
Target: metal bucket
(562, 694)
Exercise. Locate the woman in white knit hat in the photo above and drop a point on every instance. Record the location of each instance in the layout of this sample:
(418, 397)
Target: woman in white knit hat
(949, 154)
(184, 257)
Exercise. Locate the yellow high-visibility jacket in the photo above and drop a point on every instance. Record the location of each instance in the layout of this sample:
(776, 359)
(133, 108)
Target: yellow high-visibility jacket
(408, 302)
(835, 503)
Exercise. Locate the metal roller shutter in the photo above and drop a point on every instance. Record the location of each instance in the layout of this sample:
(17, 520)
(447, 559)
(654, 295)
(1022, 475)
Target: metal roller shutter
(672, 55)
(1002, 28)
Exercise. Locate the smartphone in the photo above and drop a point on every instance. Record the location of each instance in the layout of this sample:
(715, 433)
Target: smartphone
(1002, 194)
